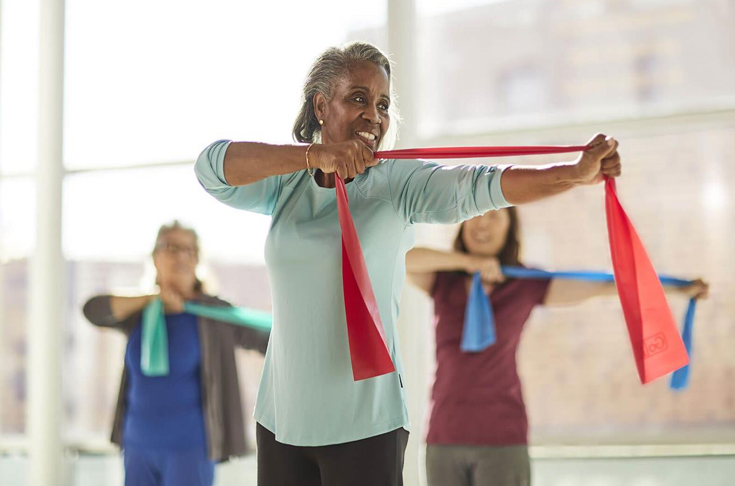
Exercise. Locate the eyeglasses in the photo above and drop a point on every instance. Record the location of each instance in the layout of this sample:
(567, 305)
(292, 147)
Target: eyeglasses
(174, 249)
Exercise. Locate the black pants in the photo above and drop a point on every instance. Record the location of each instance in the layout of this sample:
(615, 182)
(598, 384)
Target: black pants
(375, 461)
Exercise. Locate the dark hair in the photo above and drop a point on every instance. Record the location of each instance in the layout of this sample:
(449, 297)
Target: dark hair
(323, 76)
(175, 225)
(511, 252)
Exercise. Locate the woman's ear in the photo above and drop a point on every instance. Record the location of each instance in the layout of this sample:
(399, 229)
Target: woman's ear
(320, 106)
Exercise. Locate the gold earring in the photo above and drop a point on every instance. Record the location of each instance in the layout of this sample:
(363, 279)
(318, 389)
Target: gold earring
(321, 122)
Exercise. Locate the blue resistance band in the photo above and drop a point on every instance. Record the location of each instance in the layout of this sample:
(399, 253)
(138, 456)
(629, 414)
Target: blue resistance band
(479, 324)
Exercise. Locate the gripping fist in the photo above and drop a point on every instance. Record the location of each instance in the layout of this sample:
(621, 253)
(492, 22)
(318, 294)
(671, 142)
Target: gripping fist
(489, 268)
(347, 159)
(172, 300)
(601, 159)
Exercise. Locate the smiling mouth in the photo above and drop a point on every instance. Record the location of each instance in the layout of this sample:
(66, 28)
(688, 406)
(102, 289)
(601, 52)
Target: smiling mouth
(480, 237)
(368, 138)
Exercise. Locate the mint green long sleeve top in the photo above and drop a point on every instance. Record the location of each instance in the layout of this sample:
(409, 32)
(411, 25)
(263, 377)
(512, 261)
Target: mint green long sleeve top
(307, 395)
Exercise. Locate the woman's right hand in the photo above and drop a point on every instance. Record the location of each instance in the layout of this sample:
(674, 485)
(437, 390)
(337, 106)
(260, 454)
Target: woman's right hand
(489, 268)
(347, 159)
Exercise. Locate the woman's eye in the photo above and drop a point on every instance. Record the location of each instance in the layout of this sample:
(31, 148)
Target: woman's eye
(383, 107)
(359, 99)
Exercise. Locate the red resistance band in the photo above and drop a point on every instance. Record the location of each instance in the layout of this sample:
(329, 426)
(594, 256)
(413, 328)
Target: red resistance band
(657, 345)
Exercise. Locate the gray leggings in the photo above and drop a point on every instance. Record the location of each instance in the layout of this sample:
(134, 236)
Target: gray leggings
(460, 465)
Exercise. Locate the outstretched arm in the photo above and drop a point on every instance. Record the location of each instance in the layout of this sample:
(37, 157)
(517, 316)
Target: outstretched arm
(423, 263)
(524, 184)
(113, 311)
(569, 292)
(426, 192)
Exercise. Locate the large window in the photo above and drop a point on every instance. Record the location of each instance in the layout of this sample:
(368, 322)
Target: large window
(488, 64)
(159, 86)
(661, 77)
(147, 86)
(17, 235)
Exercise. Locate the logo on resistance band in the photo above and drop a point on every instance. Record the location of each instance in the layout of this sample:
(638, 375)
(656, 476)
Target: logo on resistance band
(654, 345)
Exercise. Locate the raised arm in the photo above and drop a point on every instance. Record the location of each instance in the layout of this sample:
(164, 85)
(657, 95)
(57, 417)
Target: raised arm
(253, 339)
(423, 263)
(569, 292)
(249, 162)
(242, 336)
(525, 184)
(113, 311)
(123, 312)
(249, 175)
(426, 192)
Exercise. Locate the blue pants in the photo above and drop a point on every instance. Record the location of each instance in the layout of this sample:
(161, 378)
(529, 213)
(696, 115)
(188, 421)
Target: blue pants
(167, 468)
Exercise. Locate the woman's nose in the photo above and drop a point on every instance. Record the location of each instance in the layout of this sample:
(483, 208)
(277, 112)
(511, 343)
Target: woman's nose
(371, 114)
(484, 223)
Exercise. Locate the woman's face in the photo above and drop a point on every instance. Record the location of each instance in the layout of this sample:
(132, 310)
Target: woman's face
(176, 259)
(358, 109)
(486, 235)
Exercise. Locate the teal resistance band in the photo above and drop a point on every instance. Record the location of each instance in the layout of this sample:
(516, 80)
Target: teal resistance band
(154, 339)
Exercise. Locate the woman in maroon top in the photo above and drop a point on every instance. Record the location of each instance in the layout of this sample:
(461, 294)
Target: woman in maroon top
(477, 425)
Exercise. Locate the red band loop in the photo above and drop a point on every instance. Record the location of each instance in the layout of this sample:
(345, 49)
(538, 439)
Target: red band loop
(657, 345)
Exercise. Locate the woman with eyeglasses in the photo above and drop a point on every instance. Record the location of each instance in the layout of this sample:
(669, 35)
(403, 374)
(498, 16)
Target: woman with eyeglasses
(174, 427)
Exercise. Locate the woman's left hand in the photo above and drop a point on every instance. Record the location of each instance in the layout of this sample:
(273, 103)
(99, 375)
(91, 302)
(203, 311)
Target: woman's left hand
(172, 300)
(600, 160)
